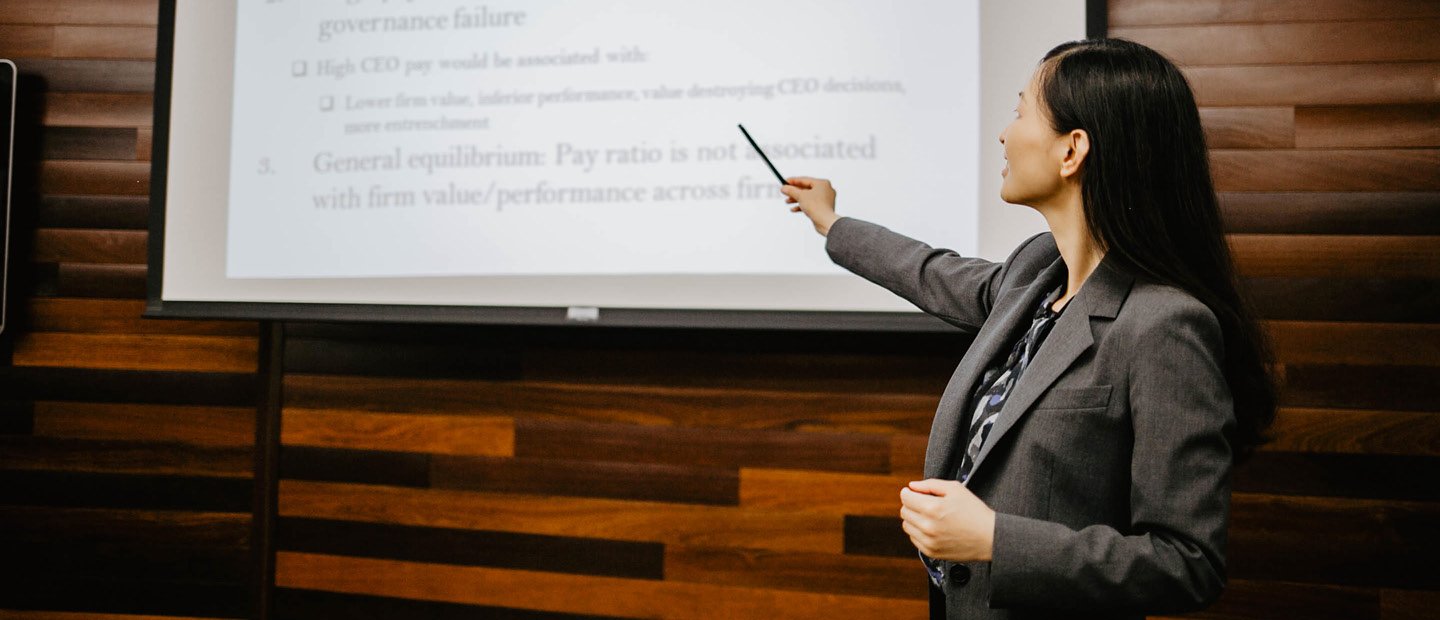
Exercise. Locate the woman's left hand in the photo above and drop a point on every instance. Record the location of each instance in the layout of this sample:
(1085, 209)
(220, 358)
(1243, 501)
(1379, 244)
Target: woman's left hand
(946, 521)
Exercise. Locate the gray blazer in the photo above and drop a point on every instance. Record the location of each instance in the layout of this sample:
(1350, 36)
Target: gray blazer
(1108, 468)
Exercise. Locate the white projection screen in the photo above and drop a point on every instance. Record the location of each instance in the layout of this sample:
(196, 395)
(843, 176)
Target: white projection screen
(564, 161)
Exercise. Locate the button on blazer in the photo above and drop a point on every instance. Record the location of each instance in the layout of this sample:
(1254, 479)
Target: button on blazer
(1109, 466)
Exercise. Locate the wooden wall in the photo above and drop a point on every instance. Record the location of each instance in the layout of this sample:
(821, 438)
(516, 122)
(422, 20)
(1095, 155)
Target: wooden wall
(447, 471)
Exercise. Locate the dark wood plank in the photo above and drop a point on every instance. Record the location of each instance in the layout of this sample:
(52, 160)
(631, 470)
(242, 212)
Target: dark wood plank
(1246, 599)
(1367, 542)
(1392, 40)
(778, 410)
(137, 352)
(1349, 431)
(1329, 84)
(95, 211)
(1370, 476)
(129, 386)
(1408, 604)
(812, 572)
(98, 109)
(1331, 213)
(403, 469)
(132, 457)
(537, 438)
(618, 480)
(62, 245)
(105, 42)
(1156, 12)
(302, 604)
(1336, 256)
(459, 547)
(117, 594)
(125, 491)
(1400, 388)
(120, 316)
(663, 522)
(364, 430)
(1359, 344)
(878, 536)
(91, 76)
(61, 176)
(90, 280)
(99, 12)
(88, 143)
(1376, 300)
(1242, 128)
(399, 358)
(1326, 169)
(1377, 126)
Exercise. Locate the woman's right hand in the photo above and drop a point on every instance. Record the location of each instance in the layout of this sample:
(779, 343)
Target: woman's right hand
(815, 198)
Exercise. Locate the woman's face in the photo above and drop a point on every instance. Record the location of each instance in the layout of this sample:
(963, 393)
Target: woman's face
(1034, 153)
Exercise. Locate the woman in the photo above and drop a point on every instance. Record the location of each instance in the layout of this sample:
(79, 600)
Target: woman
(1088, 476)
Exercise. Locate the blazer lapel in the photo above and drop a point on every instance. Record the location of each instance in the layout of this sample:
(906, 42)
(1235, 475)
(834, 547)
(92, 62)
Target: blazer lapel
(1011, 314)
(1100, 296)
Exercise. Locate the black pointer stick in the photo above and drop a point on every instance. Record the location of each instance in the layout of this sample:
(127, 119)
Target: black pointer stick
(762, 155)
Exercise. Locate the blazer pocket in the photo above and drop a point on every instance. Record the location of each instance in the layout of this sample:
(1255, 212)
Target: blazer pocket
(1087, 397)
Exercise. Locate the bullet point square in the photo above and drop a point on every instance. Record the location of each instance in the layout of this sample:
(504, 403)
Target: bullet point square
(299, 68)
(327, 103)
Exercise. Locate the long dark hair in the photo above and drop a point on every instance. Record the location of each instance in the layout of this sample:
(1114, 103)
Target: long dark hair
(1149, 199)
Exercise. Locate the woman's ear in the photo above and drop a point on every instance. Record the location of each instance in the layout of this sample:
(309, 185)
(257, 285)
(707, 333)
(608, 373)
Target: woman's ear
(1077, 148)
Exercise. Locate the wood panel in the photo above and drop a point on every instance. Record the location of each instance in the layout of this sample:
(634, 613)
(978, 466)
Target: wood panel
(662, 522)
(1292, 42)
(1344, 431)
(571, 594)
(1326, 170)
(1337, 256)
(1156, 12)
(98, 109)
(1370, 126)
(440, 434)
(802, 411)
(136, 352)
(90, 246)
(1330, 84)
(90, 12)
(1241, 127)
(1332, 213)
(95, 177)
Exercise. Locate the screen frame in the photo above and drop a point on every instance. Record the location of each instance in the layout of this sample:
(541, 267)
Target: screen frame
(9, 85)
(1096, 18)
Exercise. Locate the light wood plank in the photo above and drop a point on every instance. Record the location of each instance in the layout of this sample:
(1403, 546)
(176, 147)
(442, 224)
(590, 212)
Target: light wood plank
(136, 43)
(1396, 40)
(95, 177)
(1367, 126)
(362, 430)
(1338, 170)
(136, 352)
(1242, 128)
(1337, 256)
(642, 521)
(1351, 84)
(573, 593)
(1155, 12)
(823, 492)
(98, 109)
(121, 316)
(101, 12)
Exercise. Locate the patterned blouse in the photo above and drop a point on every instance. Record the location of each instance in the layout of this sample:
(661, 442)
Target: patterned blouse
(990, 395)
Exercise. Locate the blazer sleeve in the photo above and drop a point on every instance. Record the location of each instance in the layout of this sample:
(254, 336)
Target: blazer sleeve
(958, 290)
(1172, 559)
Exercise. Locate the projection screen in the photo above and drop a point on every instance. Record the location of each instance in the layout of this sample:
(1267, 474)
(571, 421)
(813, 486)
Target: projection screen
(557, 162)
